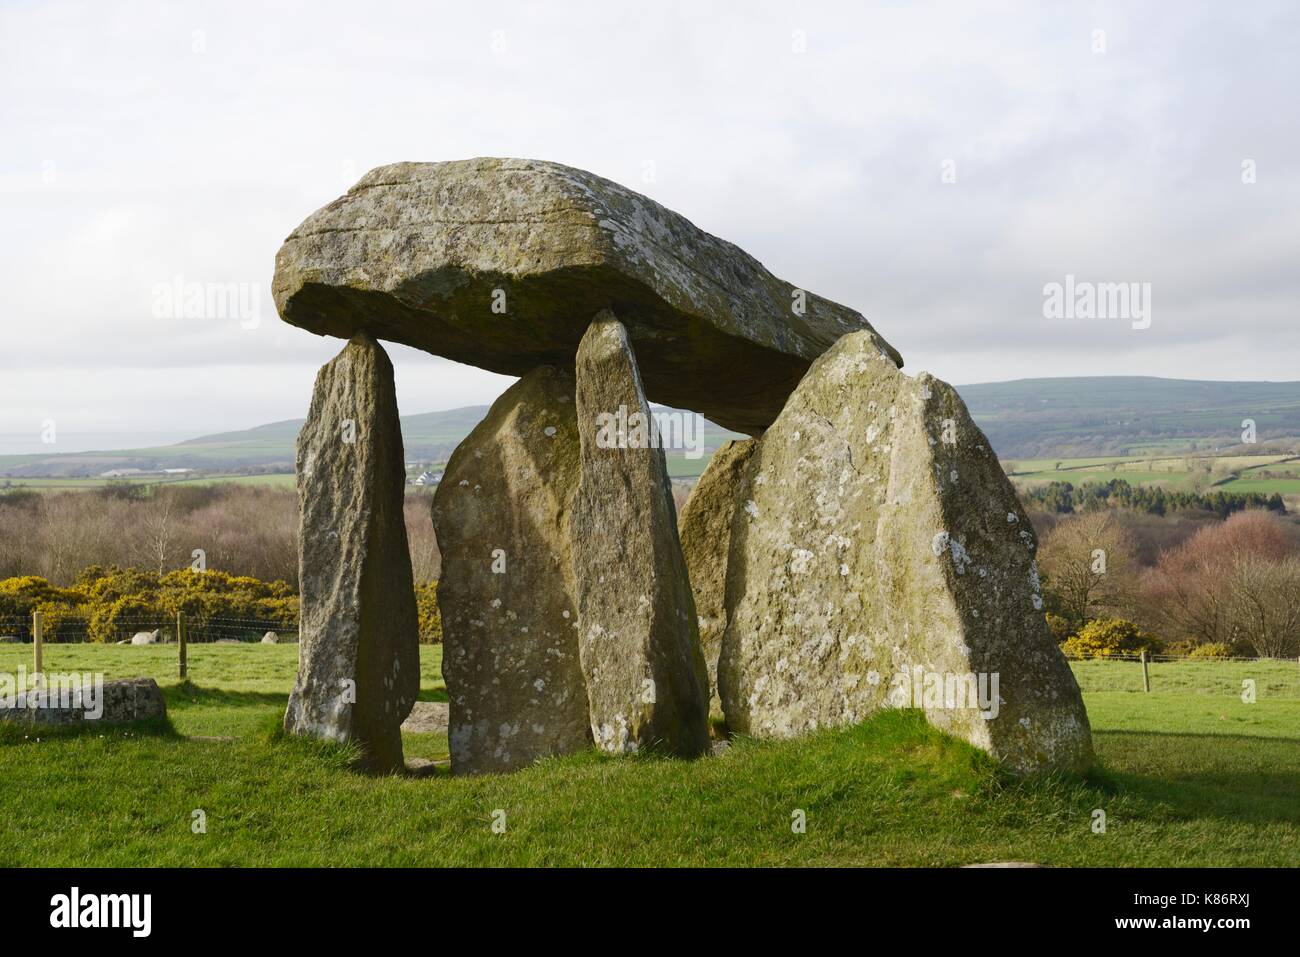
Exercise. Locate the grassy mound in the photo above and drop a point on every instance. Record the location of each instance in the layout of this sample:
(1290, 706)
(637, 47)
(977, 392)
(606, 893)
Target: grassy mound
(1186, 779)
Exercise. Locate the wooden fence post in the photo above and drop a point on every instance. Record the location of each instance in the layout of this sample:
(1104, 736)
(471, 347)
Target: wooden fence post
(1146, 675)
(38, 641)
(180, 643)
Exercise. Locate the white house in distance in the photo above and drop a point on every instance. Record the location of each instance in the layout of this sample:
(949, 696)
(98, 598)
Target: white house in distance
(131, 473)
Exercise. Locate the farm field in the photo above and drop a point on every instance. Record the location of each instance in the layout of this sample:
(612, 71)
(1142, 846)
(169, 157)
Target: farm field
(1189, 775)
(1281, 475)
(1263, 486)
(1234, 473)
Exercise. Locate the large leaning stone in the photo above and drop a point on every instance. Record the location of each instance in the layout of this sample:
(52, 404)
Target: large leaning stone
(359, 656)
(881, 559)
(705, 528)
(506, 592)
(639, 641)
(421, 253)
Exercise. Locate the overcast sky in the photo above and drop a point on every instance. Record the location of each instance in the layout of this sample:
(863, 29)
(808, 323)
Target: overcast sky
(145, 142)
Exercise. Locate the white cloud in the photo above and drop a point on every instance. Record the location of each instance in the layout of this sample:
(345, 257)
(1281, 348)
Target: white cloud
(131, 159)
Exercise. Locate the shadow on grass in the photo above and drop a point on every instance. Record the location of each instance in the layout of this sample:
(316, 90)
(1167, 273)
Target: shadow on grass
(1198, 739)
(13, 732)
(1221, 776)
(189, 695)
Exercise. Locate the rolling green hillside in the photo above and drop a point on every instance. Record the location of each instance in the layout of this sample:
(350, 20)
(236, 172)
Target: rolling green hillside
(428, 437)
(1124, 416)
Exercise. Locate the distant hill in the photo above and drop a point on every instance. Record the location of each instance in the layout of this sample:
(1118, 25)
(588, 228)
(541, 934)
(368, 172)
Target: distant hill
(1026, 418)
(1128, 415)
(427, 437)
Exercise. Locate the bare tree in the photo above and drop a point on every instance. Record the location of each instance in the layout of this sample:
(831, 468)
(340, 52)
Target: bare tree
(156, 525)
(1089, 567)
(1264, 606)
(1189, 593)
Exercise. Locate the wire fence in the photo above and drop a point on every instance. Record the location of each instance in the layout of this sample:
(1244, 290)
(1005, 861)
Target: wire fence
(146, 630)
(1209, 659)
(1247, 678)
(1163, 673)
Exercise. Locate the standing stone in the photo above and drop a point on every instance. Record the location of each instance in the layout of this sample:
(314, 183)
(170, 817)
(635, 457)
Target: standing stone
(359, 656)
(506, 592)
(640, 646)
(705, 528)
(883, 559)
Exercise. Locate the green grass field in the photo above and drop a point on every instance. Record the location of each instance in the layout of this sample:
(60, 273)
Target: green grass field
(1189, 775)
(1282, 476)
(1170, 472)
(1265, 473)
(1273, 680)
(1264, 486)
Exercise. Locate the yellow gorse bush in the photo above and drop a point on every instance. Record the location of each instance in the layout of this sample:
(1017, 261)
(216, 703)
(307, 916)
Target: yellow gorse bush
(1107, 637)
(426, 603)
(109, 603)
(1212, 649)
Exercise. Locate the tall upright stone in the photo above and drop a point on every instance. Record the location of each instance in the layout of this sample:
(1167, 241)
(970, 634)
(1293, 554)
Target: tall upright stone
(359, 657)
(506, 592)
(705, 526)
(881, 558)
(639, 641)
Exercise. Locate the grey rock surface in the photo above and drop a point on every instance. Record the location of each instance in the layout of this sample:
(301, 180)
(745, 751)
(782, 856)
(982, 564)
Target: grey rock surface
(506, 591)
(426, 717)
(359, 664)
(705, 526)
(500, 263)
(882, 559)
(639, 640)
(113, 702)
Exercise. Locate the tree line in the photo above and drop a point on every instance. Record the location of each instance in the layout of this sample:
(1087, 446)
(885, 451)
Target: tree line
(1063, 498)
(243, 530)
(1229, 588)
